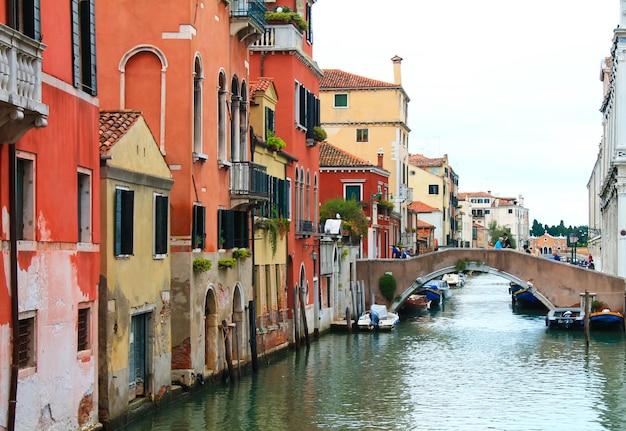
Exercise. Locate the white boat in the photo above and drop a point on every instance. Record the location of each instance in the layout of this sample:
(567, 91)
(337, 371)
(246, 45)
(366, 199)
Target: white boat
(378, 317)
(453, 280)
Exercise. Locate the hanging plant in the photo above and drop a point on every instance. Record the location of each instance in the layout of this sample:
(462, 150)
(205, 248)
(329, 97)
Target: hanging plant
(319, 134)
(241, 253)
(202, 265)
(228, 262)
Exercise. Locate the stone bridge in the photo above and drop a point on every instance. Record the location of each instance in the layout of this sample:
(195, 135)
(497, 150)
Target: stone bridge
(556, 284)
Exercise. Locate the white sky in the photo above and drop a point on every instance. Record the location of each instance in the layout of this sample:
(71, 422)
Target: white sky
(510, 90)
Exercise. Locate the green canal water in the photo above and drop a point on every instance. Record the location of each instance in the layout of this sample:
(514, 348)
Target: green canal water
(475, 364)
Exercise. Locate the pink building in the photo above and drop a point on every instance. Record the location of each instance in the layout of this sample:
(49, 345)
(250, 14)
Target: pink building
(49, 183)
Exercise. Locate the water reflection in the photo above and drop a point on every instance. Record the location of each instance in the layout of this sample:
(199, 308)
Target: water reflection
(474, 364)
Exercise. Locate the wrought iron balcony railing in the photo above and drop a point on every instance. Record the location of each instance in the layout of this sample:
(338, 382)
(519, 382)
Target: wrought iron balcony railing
(247, 18)
(249, 179)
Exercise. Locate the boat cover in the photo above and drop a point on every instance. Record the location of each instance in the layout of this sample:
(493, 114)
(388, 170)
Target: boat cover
(380, 310)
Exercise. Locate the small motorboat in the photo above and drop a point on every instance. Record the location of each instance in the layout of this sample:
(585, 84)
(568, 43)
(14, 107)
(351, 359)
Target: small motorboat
(378, 317)
(566, 318)
(433, 291)
(523, 297)
(415, 303)
(606, 320)
(453, 280)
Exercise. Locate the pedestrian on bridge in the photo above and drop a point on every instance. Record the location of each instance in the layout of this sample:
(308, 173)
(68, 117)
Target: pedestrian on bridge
(498, 243)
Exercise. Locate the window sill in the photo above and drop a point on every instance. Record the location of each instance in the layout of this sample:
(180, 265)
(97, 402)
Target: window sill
(224, 164)
(200, 157)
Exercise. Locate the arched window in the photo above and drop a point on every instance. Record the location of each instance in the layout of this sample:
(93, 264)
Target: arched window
(307, 197)
(197, 109)
(243, 123)
(297, 200)
(221, 118)
(235, 100)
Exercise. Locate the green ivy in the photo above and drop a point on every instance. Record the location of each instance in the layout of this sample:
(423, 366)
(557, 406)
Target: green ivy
(387, 285)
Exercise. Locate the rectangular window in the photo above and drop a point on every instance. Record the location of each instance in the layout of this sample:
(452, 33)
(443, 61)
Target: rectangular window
(362, 135)
(510, 211)
(433, 189)
(198, 231)
(84, 45)
(84, 207)
(233, 229)
(341, 100)
(84, 340)
(124, 221)
(487, 211)
(25, 16)
(161, 207)
(27, 354)
(353, 192)
(25, 196)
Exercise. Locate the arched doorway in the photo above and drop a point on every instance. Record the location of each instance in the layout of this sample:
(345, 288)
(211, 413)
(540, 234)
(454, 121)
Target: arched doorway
(211, 331)
(237, 334)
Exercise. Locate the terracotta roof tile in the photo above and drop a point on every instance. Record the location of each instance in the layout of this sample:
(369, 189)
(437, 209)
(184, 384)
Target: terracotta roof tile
(335, 78)
(261, 85)
(331, 156)
(114, 125)
(421, 161)
(421, 207)
(423, 224)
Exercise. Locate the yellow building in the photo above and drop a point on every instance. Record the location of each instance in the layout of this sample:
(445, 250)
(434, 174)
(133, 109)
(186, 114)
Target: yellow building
(435, 183)
(134, 298)
(363, 116)
(271, 222)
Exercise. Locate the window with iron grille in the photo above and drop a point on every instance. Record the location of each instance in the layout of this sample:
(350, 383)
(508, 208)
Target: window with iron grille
(83, 329)
(27, 357)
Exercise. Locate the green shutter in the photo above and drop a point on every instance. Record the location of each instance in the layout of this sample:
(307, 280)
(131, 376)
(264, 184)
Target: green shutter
(160, 224)
(75, 43)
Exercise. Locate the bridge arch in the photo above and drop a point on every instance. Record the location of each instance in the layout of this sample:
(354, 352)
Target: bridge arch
(475, 267)
(556, 284)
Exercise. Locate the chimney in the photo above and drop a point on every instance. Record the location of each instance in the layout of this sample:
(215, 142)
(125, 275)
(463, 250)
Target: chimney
(397, 75)
(380, 158)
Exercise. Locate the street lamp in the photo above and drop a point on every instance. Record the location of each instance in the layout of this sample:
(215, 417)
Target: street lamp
(573, 239)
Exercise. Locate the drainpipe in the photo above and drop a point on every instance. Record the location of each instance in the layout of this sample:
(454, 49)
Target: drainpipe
(15, 357)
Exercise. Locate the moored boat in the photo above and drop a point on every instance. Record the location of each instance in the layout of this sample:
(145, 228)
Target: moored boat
(416, 303)
(452, 279)
(566, 318)
(523, 297)
(432, 291)
(606, 320)
(378, 317)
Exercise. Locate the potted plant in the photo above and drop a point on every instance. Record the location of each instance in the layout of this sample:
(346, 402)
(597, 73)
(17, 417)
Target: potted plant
(274, 142)
(284, 15)
(319, 134)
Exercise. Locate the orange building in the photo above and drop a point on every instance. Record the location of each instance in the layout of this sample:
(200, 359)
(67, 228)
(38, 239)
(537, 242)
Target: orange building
(49, 163)
(184, 65)
(284, 53)
(547, 245)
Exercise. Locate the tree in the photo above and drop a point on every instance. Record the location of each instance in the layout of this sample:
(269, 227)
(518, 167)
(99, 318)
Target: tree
(537, 229)
(495, 232)
(352, 216)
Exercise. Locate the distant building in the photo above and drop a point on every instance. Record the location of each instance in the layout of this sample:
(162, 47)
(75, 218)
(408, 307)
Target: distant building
(547, 245)
(480, 209)
(428, 220)
(435, 183)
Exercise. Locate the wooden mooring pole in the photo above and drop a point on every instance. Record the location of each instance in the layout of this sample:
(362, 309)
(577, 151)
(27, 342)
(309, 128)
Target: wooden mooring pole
(586, 319)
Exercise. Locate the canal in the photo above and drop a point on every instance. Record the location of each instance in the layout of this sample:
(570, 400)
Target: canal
(475, 364)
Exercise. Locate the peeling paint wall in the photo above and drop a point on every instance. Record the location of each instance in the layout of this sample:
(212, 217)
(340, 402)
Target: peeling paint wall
(135, 286)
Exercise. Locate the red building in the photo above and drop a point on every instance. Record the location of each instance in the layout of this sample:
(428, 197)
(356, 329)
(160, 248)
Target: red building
(49, 165)
(345, 175)
(284, 53)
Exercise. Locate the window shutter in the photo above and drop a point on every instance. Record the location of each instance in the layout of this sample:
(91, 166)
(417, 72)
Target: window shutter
(198, 233)
(88, 46)
(240, 231)
(302, 119)
(160, 224)
(76, 43)
(310, 117)
(128, 207)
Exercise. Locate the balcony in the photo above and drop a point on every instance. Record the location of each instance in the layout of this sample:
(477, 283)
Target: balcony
(279, 38)
(249, 184)
(247, 19)
(304, 228)
(21, 108)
